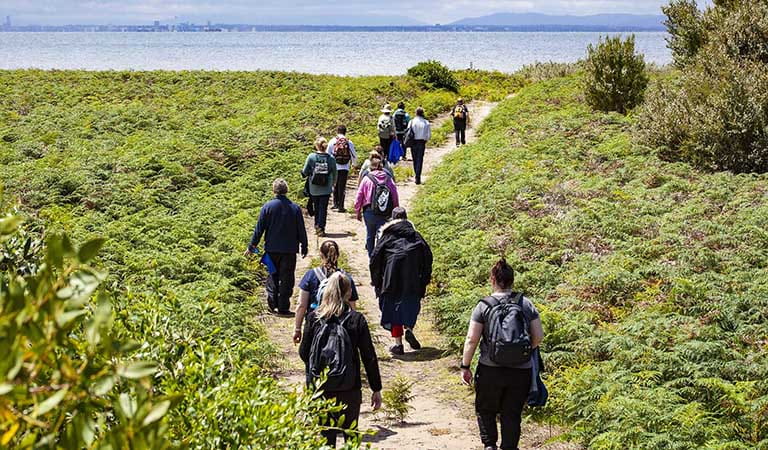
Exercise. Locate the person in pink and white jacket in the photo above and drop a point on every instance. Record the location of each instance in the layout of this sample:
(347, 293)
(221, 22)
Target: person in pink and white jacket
(376, 198)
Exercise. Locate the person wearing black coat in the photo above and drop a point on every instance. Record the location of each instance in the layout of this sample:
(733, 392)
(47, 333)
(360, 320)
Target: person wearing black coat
(401, 270)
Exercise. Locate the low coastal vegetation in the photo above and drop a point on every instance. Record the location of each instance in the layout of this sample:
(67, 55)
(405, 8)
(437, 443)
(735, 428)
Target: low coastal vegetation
(170, 169)
(650, 275)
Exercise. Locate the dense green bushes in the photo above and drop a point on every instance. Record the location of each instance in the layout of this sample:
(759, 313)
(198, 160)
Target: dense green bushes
(650, 276)
(435, 75)
(616, 78)
(714, 114)
(171, 168)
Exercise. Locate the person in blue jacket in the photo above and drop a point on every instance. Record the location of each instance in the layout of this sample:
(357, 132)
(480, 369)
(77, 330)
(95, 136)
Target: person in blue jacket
(281, 222)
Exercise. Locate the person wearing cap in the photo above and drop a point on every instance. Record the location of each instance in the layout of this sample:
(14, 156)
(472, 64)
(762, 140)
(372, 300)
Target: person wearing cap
(401, 270)
(460, 114)
(401, 118)
(419, 132)
(386, 128)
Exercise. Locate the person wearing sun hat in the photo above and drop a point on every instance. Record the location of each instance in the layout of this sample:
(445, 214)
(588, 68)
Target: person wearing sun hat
(386, 128)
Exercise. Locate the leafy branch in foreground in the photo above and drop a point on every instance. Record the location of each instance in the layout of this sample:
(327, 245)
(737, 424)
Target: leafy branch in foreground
(66, 382)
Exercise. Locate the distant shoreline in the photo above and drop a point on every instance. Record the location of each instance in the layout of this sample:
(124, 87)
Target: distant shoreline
(330, 29)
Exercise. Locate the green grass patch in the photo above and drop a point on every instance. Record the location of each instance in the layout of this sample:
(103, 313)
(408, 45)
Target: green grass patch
(172, 168)
(650, 276)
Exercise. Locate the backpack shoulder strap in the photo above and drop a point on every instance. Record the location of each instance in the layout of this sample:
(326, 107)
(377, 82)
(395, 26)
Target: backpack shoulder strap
(320, 274)
(490, 301)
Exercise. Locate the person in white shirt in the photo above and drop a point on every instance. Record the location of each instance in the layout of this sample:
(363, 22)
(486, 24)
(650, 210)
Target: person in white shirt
(416, 137)
(343, 150)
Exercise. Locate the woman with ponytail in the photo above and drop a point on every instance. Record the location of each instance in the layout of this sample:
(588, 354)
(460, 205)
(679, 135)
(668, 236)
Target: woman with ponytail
(309, 285)
(337, 338)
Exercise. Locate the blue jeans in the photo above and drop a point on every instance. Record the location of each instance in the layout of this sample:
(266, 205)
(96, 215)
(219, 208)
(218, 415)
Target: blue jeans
(372, 224)
(321, 210)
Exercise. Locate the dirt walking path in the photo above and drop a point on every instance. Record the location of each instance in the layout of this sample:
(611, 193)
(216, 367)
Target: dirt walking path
(442, 416)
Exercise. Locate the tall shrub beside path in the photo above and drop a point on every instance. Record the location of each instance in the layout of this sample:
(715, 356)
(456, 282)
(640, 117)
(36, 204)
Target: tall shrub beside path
(616, 77)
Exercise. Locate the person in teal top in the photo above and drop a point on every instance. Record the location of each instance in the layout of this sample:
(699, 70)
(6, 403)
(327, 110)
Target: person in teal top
(321, 170)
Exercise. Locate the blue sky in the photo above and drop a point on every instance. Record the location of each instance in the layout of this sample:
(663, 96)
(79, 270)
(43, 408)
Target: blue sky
(297, 11)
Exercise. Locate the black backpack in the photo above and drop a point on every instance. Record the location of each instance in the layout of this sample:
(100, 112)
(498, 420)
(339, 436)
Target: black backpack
(332, 351)
(321, 171)
(400, 124)
(382, 202)
(506, 328)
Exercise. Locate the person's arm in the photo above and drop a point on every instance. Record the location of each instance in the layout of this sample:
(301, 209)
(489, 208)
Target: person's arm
(306, 171)
(393, 190)
(331, 144)
(334, 172)
(537, 333)
(427, 269)
(361, 197)
(306, 342)
(474, 334)
(370, 361)
(429, 131)
(353, 151)
(302, 233)
(301, 311)
(261, 227)
(376, 265)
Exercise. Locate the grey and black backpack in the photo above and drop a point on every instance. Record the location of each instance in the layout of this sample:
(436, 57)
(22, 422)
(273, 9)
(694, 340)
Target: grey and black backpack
(507, 331)
(332, 351)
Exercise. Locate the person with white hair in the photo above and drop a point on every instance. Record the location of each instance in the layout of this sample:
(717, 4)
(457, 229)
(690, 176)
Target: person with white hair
(281, 222)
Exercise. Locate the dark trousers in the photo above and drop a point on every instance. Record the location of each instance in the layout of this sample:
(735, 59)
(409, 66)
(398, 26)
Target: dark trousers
(401, 138)
(280, 284)
(385, 143)
(500, 391)
(352, 401)
(340, 189)
(417, 149)
(461, 133)
(372, 224)
(321, 210)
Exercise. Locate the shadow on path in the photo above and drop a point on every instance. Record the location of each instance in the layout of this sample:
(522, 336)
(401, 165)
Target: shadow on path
(425, 354)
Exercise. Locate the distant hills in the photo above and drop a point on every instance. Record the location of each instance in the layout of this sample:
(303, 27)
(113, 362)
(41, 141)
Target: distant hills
(533, 20)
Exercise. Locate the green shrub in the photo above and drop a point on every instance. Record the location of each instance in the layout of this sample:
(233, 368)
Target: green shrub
(686, 30)
(397, 398)
(714, 113)
(67, 380)
(546, 71)
(434, 74)
(616, 77)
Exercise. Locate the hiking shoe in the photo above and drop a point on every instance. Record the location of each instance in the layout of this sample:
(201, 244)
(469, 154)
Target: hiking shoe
(342, 210)
(320, 232)
(397, 350)
(286, 314)
(412, 341)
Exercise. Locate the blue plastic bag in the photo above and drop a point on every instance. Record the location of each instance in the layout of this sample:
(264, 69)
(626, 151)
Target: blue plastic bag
(267, 261)
(395, 152)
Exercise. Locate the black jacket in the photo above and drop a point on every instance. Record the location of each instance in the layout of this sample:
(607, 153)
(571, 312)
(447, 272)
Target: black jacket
(360, 335)
(283, 223)
(401, 262)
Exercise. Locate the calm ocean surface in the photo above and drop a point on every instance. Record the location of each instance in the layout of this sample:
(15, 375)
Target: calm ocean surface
(341, 53)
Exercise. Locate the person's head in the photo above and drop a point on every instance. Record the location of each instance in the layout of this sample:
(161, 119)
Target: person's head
(378, 150)
(460, 101)
(280, 187)
(376, 162)
(341, 129)
(321, 144)
(337, 293)
(420, 111)
(329, 253)
(399, 213)
(502, 275)
(401, 105)
(387, 110)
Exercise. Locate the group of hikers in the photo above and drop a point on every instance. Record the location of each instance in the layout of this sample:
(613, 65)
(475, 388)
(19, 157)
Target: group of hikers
(334, 338)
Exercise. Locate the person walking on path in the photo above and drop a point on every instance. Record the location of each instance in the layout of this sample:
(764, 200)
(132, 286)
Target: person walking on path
(418, 133)
(309, 286)
(343, 151)
(401, 125)
(386, 128)
(321, 170)
(336, 339)
(281, 222)
(401, 270)
(460, 114)
(504, 372)
(366, 167)
(376, 198)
